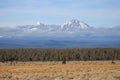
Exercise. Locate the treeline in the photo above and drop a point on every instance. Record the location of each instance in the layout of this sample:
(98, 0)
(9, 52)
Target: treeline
(59, 54)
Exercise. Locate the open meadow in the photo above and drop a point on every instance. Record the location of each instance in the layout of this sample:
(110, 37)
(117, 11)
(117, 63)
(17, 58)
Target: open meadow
(72, 70)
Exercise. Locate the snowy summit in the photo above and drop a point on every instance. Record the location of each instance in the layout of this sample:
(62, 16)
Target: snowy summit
(74, 24)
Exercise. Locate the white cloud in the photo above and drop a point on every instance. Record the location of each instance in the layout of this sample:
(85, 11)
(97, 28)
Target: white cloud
(33, 29)
(1, 36)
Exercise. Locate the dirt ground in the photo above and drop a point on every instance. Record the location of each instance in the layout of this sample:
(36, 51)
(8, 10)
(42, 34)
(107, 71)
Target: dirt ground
(75, 70)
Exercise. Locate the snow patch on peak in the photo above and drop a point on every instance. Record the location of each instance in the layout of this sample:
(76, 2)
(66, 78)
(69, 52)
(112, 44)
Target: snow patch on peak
(83, 25)
(70, 23)
(38, 23)
(74, 21)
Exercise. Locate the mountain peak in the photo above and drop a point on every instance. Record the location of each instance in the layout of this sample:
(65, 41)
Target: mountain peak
(74, 21)
(74, 24)
(38, 23)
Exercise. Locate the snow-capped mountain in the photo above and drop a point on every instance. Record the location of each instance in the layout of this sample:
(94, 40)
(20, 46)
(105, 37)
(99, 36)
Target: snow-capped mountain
(74, 25)
(70, 28)
(73, 33)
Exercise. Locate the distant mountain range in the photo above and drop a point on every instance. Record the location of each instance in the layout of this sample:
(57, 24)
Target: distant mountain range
(71, 34)
(70, 28)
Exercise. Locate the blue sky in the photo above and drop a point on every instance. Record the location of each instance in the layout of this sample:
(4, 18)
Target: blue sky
(98, 13)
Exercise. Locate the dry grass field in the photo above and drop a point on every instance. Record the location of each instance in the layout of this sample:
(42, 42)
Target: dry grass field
(82, 70)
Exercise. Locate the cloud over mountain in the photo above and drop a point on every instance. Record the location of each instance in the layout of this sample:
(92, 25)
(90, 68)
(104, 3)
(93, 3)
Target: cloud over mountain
(70, 28)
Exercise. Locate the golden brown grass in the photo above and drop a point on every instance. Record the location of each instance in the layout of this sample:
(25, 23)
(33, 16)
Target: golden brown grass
(56, 71)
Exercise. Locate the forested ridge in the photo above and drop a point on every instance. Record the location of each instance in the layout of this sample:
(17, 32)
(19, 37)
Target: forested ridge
(84, 54)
